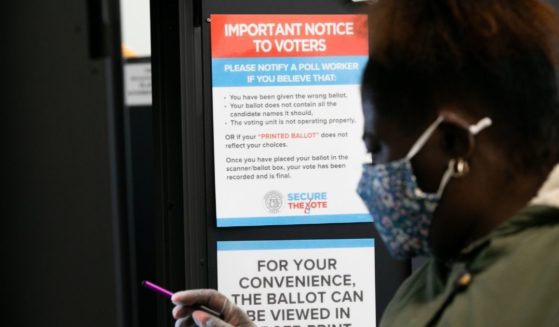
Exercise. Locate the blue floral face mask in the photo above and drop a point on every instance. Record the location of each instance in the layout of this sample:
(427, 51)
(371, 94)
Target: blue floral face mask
(402, 212)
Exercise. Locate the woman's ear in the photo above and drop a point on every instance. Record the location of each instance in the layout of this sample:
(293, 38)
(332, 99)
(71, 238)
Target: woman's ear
(458, 141)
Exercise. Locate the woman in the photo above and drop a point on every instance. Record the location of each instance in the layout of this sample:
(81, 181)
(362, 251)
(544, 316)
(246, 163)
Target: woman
(462, 119)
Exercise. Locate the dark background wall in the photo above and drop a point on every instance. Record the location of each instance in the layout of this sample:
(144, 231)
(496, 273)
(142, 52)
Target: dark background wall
(61, 227)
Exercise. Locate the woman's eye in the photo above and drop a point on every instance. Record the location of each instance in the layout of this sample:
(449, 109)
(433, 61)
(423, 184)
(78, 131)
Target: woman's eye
(374, 146)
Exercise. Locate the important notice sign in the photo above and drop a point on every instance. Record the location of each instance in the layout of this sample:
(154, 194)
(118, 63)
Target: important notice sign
(303, 283)
(287, 118)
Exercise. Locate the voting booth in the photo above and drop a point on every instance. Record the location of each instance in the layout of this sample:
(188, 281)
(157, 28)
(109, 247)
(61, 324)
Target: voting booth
(258, 126)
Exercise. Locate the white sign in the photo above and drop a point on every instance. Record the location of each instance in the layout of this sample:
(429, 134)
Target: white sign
(303, 283)
(287, 118)
(137, 84)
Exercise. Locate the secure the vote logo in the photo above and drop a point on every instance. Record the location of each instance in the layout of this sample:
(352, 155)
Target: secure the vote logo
(307, 201)
(273, 201)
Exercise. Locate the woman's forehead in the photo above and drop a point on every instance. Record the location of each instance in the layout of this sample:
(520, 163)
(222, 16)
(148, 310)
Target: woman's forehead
(389, 129)
(375, 123)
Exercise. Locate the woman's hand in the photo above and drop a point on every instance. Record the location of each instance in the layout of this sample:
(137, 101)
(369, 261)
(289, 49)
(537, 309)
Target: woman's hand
(231, 315)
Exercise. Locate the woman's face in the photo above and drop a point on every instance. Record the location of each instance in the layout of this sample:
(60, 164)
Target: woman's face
(388, 139)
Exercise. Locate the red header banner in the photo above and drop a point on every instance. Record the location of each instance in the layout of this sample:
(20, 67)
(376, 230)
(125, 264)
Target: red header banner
(248, 36)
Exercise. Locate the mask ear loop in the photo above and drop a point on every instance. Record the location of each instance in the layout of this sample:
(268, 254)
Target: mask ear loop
(480, 125)
(451, 170)
(424, 138)
(446, 176)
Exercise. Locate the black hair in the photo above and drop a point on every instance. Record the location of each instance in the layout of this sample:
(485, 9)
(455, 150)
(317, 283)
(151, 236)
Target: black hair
(495, 58)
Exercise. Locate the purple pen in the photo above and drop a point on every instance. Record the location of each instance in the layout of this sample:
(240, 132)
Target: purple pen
(158, 289)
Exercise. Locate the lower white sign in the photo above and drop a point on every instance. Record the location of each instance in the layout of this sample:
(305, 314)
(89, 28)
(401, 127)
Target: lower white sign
(303, 283)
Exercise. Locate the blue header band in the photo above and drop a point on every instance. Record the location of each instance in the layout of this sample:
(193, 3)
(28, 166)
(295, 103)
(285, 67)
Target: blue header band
(288, 71)
(295, 244)
(295, 220)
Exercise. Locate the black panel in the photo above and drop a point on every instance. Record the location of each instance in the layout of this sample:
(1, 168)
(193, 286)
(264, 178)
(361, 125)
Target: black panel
(390, 273)
(167, 129)
(141, 204)
(62, 222)
(184, 149)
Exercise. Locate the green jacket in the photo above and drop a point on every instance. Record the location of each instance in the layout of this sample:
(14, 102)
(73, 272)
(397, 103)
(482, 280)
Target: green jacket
(508, 278)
